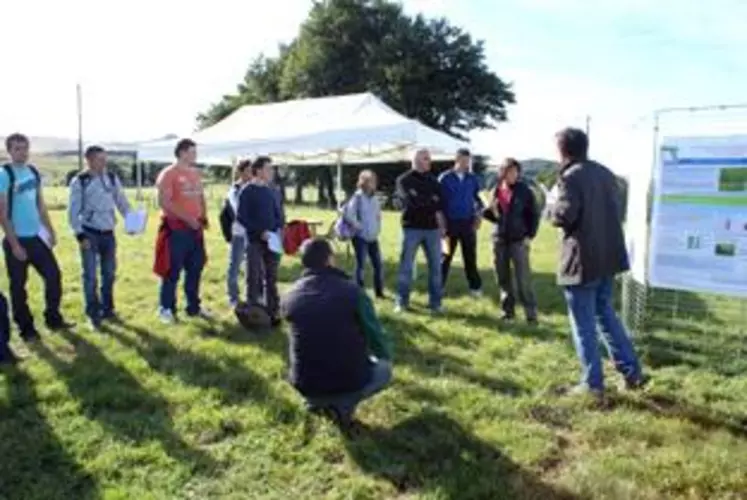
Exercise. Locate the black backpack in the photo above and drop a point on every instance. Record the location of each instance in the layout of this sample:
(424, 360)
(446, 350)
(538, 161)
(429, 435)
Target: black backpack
(12, 184)
(84, 178)
(227, 217)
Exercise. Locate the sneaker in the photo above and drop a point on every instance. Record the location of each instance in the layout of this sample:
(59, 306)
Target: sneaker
(507, 318)
(111, 317)
(436, 311)
(477, 294)
(166, 316)
(202, 313)
(8, 357)
(94, 324)
(583, 390)
(59, 324)
(636, 384)
(400, 309)
(532, 321)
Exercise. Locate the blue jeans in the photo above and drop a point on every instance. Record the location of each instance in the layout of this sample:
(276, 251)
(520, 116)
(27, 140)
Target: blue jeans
(588, 304)
(236, 257)
(372, 249)
(345, 404)
(430, 240)
(100, 252)
(186, 253)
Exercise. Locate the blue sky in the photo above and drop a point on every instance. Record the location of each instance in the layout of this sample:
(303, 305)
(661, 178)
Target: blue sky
(147, 71)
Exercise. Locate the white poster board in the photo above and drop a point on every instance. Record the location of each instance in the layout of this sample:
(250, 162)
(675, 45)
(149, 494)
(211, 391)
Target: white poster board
(699, 223)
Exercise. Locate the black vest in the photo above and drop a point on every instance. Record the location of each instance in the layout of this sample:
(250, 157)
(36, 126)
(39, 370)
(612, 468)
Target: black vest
(328, 352)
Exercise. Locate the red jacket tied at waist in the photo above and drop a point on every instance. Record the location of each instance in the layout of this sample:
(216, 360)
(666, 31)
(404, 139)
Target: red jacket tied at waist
(294, 234)
(162, 261)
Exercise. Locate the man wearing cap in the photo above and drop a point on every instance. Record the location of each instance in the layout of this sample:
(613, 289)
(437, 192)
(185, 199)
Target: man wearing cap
(339, 353)
(463, 210)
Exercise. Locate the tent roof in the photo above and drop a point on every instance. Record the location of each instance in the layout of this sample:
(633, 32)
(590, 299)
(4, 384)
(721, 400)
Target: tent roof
(359, 126)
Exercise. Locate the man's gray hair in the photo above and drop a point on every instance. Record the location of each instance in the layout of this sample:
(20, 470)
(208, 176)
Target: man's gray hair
(415, 155)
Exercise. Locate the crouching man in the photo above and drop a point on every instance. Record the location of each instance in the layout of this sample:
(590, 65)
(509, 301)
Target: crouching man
(339, 353)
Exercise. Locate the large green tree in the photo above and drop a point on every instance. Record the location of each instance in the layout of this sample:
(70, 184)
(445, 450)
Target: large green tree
(426, 69)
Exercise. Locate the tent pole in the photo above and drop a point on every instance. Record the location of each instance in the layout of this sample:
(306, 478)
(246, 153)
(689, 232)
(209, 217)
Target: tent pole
(340, 191)
(138, 178)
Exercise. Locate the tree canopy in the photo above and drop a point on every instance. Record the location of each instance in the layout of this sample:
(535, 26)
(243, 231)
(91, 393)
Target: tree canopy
(426, 69)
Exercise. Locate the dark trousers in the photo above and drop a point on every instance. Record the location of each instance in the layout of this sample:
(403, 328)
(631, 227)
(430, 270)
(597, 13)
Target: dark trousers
(262, 266)
(371, 249)
(99, 254)
(462, 233)
(4, 325)
(345, 404)
(41, 258)
(186, 253)
(508, 256)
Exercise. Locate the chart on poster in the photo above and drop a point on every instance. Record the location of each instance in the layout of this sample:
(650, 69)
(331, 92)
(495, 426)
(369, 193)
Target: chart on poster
(699, 220)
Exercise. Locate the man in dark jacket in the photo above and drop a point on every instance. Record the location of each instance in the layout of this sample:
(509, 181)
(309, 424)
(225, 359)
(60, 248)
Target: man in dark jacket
(589, 215)
(423, 224)
(516, 218)
(333, 334)
(260, 214)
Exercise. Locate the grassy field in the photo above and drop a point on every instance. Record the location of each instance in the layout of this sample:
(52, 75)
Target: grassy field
(202, 410)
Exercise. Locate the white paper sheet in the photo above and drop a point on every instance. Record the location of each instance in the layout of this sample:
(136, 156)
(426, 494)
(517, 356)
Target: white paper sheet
(135, 221)
(45, 236)
(275, 243)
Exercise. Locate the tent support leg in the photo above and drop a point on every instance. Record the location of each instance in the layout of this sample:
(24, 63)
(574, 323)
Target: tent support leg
(340, 191)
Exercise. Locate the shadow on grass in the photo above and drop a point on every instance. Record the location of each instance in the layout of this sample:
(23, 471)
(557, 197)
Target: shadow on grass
(669, 406)
(235, 382)
(441, 364)
(34, 463)
(110, 395)
(433, 453)
(679, 328)
(721, 353)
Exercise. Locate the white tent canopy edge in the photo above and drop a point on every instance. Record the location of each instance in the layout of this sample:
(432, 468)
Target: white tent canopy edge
(355, 128)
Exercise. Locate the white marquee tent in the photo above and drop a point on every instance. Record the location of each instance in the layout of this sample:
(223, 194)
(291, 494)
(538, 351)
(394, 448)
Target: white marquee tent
(356, 128)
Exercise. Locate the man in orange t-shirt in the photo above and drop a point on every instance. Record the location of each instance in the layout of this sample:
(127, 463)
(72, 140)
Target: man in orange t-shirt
(182, 201)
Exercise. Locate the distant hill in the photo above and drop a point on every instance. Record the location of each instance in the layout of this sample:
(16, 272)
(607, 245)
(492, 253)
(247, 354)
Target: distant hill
(61, 146)
(46, 144)
(539, 169)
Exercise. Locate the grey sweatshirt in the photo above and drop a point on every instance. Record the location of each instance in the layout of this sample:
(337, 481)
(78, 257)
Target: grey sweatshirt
(364, 211)
(102, 199)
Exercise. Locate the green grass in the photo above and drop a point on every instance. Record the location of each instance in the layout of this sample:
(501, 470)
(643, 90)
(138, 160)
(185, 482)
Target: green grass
(202, 411)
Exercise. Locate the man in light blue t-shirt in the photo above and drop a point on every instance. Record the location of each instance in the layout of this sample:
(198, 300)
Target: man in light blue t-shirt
(29, 238)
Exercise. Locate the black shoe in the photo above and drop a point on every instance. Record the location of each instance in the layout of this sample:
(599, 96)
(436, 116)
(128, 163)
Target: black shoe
(332, 414)
(637, 384)
(507, 318)
(59, 324)
(532, 321)
(8, 357)
(94, 324)
(30, 336)
(111, 317)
